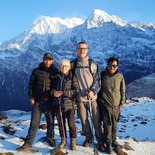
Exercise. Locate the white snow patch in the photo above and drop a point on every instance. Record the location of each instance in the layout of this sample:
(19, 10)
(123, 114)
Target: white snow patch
(137, 121)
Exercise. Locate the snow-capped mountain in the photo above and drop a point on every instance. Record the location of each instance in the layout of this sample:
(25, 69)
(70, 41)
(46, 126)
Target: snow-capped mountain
(43, 26)
(106, 35)
(98, 18)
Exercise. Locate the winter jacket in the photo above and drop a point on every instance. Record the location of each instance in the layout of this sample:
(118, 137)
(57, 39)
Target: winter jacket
(40, 83)
(113, 90)
(70, 88)
(87, 80)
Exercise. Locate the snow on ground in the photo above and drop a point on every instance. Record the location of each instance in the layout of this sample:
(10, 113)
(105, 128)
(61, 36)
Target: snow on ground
(136, 128)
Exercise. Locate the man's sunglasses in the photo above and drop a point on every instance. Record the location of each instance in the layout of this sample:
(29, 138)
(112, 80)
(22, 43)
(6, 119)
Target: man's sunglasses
(112, 66)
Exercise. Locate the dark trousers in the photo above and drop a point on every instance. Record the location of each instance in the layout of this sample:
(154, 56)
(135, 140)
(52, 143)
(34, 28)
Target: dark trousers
(35, 121)
(109, 116)
(69, 115)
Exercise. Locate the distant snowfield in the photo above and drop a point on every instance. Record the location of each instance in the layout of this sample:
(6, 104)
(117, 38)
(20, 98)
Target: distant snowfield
(136, 128)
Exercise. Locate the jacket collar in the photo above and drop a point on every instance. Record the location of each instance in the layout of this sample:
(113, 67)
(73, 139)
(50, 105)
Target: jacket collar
(83, 59)
(109, 74)
(67, 77)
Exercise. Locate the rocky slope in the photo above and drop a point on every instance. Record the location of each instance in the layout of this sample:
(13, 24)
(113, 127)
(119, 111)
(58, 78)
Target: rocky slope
(142, 87)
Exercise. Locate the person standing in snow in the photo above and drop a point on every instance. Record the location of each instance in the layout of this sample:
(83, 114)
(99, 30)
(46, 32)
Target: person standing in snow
(65, 89)
(87, 73)
(40, 98)
(111, 98)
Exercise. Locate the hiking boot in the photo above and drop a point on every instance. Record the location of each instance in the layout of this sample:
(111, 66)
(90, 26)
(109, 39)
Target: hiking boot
(51, 142)
(87, 142)
(62, 144)
(101, 147)
(115, 144)
(73, 144)
(24, 148)
(108, 149)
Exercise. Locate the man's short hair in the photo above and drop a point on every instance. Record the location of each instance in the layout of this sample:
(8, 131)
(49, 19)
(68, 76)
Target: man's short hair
(82, 42)
(111, 59)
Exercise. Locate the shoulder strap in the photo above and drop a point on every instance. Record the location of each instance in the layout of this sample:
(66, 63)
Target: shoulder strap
(74, 65)
(90, 63)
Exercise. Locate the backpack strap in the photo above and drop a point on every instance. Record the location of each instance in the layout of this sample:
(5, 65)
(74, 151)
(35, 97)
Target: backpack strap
(74, 65)
(91, 61)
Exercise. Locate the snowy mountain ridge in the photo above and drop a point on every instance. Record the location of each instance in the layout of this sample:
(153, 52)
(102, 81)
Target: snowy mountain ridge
(99, 17)
(45, 25)
(42, 26)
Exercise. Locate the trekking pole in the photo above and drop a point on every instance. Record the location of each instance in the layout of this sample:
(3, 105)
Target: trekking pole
(57, 151)
(62, 122)
(92, 128)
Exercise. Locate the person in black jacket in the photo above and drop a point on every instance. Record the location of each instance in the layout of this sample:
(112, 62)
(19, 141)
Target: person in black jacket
(65, 90)
(40, 98)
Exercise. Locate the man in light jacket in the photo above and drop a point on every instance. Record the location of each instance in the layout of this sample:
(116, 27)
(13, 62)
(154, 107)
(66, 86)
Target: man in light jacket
(86, 71)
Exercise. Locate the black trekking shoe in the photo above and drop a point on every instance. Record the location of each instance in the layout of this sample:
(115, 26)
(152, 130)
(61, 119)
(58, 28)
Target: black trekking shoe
(51, 142)
(87, 142)
(101, 147)
(108, 149)
(116, 146)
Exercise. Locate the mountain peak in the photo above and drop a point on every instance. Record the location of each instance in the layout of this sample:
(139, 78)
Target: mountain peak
(100, 12)
(49, 25)
(99, 17)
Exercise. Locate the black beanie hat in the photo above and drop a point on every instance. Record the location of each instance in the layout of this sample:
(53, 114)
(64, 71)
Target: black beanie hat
(48, 56)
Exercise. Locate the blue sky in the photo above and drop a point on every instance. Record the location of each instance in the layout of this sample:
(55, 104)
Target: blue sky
(16, 16)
